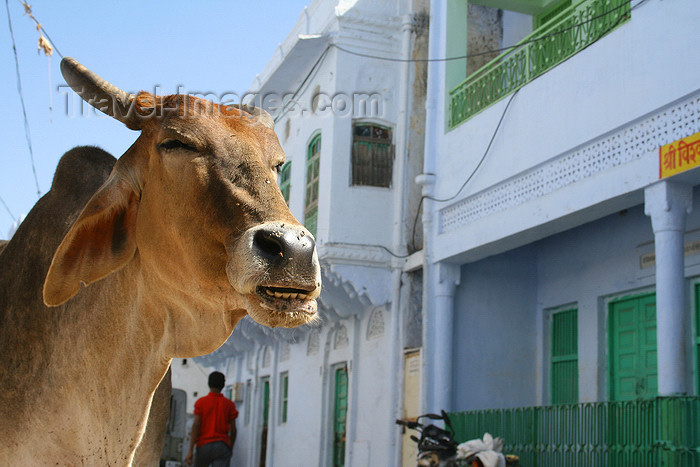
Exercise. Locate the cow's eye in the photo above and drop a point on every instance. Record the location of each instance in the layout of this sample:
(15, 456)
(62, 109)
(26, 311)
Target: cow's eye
(278, 167)
(170, 144)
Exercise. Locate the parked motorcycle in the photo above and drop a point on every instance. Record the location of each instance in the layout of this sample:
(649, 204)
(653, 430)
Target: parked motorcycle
(438, 448)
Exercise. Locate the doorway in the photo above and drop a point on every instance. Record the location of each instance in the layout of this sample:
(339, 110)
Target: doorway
(265, 420)
(632, 369)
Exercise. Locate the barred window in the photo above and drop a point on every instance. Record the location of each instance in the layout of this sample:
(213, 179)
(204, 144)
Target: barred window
(372, 155)
(285, 175)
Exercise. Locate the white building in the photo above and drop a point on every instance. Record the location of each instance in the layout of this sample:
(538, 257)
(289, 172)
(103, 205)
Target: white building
(352, 129)
(555, 265)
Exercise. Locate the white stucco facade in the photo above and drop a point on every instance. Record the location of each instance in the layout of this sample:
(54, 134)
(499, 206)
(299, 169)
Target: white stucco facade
(558, 214)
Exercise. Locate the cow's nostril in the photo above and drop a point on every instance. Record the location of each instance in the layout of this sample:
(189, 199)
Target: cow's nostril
(269, 243)
(277, 244)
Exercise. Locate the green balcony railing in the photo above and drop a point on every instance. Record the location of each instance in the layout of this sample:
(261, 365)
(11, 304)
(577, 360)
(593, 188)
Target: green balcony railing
(566, 34)
(664, 431)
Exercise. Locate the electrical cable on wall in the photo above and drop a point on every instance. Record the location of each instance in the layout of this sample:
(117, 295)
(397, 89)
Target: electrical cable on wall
(471, 175)
(442, 200)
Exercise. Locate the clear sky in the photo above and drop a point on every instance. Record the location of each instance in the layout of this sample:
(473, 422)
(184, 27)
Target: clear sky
(213, 46)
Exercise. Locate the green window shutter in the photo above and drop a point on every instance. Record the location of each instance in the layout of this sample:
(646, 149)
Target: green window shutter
(284, 397)
(564, 357)
(285, 175)
(266, 402)
(313, 163)
(340, 409)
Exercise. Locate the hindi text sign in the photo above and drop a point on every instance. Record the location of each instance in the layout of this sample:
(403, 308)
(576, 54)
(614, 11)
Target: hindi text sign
(679, 156)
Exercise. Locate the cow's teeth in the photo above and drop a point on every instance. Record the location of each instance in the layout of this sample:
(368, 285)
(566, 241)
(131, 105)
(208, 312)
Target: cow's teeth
(287, 295)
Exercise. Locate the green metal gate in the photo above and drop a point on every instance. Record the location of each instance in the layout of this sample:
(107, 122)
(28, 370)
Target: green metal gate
(632, 367)
(340, 410)
(663, 431)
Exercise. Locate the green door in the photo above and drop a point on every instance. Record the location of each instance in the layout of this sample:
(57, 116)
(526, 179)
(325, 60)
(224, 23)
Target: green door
(632, 358)
(697, 339)
(265, 418)
(340, 410)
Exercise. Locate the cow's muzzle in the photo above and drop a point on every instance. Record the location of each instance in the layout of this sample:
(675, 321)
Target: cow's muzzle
(277, 263)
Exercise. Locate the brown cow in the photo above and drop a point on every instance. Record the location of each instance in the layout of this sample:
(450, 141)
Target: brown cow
(188, 233)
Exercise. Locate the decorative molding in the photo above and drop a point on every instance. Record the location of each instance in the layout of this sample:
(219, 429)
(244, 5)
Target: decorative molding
(266, 357)
(386, 23)
(375, 327)
(625, 145)
(341, 337)
(367, 33)
(285, 351)
(314, 343)
(360, 255)
(339, 298)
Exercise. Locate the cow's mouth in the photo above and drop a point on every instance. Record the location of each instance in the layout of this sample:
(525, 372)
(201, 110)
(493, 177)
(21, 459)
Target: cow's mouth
(283, 306)
(286, 293)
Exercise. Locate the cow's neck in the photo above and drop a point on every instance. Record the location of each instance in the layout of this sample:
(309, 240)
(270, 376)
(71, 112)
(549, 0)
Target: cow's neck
(107, 353)
(111, 362)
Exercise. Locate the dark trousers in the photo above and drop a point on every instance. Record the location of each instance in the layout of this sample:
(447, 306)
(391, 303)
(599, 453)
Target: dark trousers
(216, 454)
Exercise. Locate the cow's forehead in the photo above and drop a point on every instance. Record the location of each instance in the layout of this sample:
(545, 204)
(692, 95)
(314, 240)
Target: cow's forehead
(194, 117)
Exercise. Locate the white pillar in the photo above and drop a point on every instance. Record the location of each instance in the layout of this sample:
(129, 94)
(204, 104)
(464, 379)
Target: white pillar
(447, 278)
(667, 204)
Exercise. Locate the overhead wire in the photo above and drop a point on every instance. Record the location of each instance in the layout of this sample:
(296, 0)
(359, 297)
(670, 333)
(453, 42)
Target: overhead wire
(8, 209)
(48, 46)
(21, 99)
(301, 88)
(315, 66)
(492, 51)
(40, 28)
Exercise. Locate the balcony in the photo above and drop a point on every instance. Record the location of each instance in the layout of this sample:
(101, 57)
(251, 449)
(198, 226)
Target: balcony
(651, 432)
(566, 34)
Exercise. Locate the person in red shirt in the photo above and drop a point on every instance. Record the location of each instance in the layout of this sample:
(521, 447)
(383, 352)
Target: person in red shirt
(214, 427)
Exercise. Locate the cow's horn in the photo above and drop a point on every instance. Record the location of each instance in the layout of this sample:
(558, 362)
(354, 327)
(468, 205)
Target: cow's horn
(100, 94)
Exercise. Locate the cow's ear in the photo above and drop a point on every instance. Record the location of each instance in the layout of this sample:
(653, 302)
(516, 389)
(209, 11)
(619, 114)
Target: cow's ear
(98, 243)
